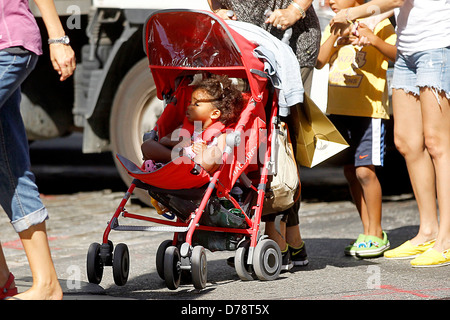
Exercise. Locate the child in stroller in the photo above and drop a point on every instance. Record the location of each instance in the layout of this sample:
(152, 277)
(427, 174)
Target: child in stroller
(195, 197)
(215, 104)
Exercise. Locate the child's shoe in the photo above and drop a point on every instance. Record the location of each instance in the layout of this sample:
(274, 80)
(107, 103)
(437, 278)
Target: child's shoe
(408, 251)
(149, 166)
(374, 247)
(160, 209)
(351, 248)
(298, 255)
(286, 262)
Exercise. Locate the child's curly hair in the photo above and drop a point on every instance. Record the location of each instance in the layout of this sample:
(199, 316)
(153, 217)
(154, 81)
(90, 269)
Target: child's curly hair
(225, 97)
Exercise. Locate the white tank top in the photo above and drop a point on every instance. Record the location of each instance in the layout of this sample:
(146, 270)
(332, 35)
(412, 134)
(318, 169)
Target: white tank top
(423, 25)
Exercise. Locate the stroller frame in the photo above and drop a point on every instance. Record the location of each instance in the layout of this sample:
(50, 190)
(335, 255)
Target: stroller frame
(256, 255)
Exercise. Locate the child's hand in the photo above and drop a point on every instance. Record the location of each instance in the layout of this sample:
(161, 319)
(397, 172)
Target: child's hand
(365, 34)
(199, 147)
(343, 41)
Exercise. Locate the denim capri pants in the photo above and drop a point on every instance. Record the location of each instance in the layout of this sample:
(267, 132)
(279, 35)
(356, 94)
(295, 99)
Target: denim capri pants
(19, 195)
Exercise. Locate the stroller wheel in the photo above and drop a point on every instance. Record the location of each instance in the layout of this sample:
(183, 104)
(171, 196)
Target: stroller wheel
(243, 270)
(199, 270)
(267, 260)
(160, 257)
(121, 264)
(172, 267)
(94, 264)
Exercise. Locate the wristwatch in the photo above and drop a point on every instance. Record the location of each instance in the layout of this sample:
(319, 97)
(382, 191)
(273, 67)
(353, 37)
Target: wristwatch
(63, 40)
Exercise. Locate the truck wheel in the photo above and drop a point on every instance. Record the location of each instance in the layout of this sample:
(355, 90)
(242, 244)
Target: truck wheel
(135, 110)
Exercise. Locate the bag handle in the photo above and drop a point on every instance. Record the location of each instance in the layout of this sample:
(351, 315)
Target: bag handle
(289, 145)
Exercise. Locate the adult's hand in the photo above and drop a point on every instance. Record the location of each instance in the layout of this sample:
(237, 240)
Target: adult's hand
(63, 60)
(225, 14)
(284, 18)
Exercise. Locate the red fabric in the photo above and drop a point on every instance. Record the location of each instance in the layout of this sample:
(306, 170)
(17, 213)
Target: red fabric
(175, 175)
(180, 42)
(183, 43)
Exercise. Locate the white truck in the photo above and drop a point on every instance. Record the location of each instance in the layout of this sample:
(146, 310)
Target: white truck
(111, 98)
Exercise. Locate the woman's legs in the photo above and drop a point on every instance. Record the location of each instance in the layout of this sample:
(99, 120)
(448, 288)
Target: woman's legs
(436, 124)
(45, 281)
(409, 140)
(19, 195)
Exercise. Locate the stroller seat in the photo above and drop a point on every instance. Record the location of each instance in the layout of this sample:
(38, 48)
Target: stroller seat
(181, 173)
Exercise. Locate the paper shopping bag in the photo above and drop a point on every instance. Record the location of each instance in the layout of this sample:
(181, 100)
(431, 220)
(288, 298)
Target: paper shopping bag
(317, 137)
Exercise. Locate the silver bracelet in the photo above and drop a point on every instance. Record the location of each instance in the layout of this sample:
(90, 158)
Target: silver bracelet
(297, 6)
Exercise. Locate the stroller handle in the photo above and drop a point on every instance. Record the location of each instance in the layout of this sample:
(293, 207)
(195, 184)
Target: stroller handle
(232, 140)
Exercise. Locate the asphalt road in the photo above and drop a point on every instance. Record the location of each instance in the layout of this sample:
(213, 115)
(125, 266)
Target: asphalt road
(82, 192)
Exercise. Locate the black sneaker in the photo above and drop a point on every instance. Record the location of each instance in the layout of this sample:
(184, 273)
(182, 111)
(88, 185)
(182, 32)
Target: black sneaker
(286, 262)
(298, 255)
(230, 262)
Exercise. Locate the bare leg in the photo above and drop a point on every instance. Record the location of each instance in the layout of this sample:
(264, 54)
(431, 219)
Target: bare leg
(272, 232)
(357, 196)
(409, 139)
(372, 198)
(155, 151)
(293, 236)
(436, 122)
(45, 281)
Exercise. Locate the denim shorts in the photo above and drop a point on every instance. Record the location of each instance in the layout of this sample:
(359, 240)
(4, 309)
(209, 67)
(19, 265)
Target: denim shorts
(430, 68)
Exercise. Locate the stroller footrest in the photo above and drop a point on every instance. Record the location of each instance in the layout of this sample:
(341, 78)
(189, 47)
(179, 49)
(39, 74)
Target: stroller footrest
(151, 228)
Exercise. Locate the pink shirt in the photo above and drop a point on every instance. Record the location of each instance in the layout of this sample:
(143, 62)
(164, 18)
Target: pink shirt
(18, 26)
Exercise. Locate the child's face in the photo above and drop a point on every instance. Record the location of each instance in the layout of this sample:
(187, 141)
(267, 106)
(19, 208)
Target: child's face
(201, 108)
(337, 5)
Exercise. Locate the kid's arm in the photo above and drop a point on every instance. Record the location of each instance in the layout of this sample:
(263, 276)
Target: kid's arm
(388, 50)
(211, 158)
(176, 138)
(326, 50)
(168, 142)
(365, 10)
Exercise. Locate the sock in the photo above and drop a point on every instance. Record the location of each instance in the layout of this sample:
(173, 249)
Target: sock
(297, 248)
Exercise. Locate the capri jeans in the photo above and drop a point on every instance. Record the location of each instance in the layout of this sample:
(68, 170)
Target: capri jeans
(19, 195)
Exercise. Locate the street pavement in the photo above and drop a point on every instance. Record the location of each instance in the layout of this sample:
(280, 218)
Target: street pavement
(328, 223)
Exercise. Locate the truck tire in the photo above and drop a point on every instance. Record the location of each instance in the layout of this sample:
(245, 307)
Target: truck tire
(135, 110)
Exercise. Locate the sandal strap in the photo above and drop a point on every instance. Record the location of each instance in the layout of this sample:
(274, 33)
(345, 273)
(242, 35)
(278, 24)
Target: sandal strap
(8, 283)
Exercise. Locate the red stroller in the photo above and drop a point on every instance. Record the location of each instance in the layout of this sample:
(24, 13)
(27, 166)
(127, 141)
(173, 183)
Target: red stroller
(221, 211)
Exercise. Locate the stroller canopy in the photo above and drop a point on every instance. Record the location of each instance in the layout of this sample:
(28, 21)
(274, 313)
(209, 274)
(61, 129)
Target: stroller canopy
(183, 42)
